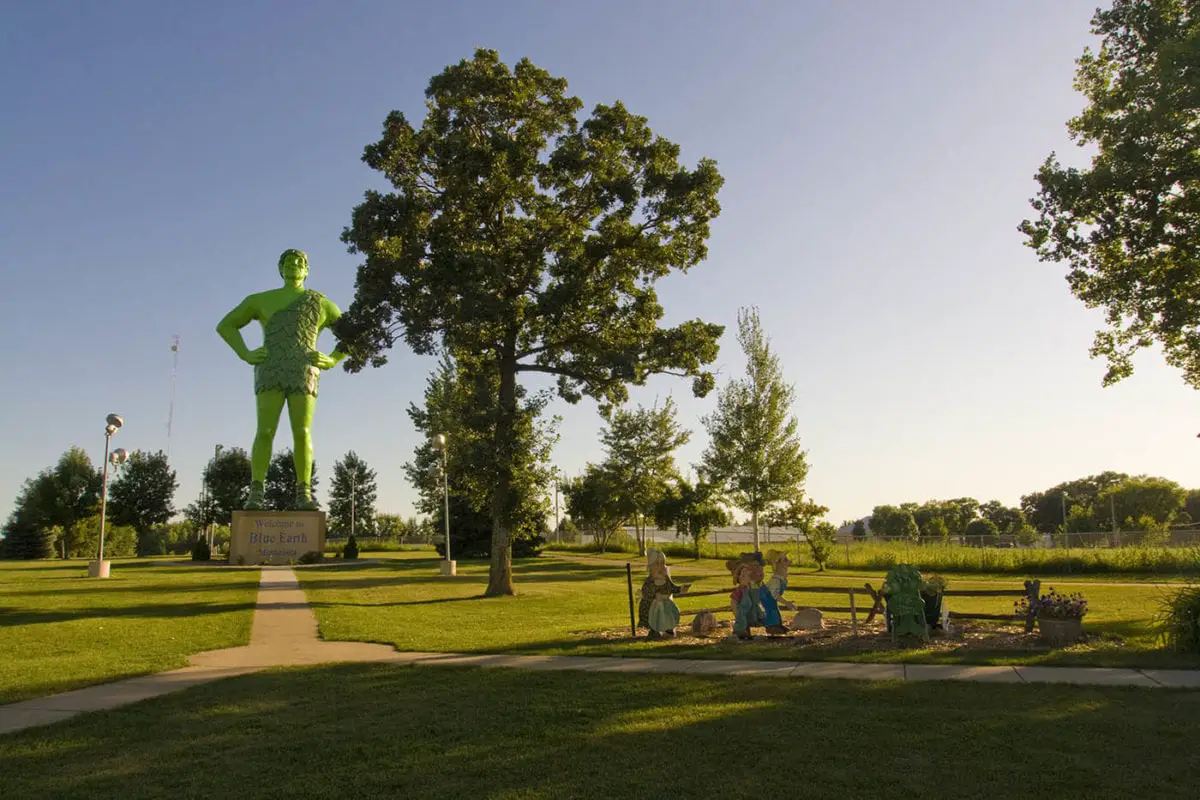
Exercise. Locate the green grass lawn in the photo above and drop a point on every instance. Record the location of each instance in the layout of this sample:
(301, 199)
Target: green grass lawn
(413, 732)
(562, 606)
(60, 630)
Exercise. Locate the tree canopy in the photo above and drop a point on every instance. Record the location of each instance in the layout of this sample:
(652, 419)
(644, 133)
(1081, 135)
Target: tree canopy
(531, 240)
(754, 453)
(352, 478)
(1128, 226)
(142, 494)
(280, 492)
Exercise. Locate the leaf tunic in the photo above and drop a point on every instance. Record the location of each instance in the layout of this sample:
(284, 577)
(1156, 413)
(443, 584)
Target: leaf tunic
(290, 338)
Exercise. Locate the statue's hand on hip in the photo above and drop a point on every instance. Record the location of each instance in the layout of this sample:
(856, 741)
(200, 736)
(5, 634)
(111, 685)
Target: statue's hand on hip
(322, 361)
(256, 356)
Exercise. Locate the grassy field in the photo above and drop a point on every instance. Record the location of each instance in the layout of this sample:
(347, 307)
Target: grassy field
(415, 732)
(882, 556)
(59, 630)
(563, 607)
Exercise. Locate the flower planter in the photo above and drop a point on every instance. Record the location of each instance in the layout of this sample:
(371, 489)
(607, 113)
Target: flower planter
(933, 610)
(1060, 632)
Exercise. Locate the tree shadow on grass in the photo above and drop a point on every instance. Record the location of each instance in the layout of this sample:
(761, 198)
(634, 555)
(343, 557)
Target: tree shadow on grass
(10, 616)
(446, 731)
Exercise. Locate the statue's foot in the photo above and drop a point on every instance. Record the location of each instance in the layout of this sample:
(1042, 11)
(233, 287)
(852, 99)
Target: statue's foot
(304, 498)
(777, 630)
(258, 496)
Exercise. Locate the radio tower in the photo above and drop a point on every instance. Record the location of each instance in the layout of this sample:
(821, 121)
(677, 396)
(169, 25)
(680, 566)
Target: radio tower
(171, 408)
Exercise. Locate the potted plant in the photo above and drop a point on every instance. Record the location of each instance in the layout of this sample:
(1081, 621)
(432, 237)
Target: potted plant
(932, 589)
(1059, 616)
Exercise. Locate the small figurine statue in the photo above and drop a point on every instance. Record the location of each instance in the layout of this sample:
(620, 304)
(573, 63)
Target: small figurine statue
(747, 572)
(657, 612)
(905, 609)
(771, 595)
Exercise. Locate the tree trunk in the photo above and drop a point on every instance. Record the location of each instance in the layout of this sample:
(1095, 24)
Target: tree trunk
(754, 521)
(500, 572)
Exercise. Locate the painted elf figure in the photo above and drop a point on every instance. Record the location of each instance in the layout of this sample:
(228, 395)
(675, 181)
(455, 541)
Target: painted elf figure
(772, 591)
(745, 599)
(657, 611)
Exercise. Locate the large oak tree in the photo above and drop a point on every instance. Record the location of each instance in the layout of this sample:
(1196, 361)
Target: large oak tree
(1128, 227)
(523, 237)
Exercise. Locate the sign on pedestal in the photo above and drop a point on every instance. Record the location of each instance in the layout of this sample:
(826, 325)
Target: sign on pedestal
(275, 537)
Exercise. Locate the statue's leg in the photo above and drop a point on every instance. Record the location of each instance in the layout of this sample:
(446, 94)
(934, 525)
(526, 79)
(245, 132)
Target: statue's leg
(300, 414)
(270, 405)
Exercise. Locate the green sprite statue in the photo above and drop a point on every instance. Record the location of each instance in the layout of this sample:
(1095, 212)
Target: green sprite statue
(287, 368)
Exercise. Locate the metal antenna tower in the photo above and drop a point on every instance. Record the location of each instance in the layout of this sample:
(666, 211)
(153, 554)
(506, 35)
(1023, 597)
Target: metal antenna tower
(174, 371)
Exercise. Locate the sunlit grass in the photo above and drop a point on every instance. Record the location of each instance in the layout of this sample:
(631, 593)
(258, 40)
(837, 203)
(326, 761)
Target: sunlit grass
(416, 732)
(60, 630)
(561, 606)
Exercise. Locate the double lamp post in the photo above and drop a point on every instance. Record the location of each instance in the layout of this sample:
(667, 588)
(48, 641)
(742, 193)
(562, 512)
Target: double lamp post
(100, 568)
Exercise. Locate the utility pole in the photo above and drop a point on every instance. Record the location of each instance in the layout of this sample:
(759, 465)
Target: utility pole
(557, 524)
(352, 488)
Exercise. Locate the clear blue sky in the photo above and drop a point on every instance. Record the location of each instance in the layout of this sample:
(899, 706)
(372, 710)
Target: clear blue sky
(157, 157)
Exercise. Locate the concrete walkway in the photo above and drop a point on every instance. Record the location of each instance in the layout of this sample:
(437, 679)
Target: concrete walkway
(285, 633)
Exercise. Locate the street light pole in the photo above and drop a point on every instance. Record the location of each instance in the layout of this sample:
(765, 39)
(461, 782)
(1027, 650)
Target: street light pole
(448, 566)
(99, 568)
(557, 524)
(352, 489)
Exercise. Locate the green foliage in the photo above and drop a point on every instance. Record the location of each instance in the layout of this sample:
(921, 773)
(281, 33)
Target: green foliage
(518, 234)
(1158, 499)
(310, 557)
(227, 476)
(640, 454)
(692, 509)
(859, 531)
(352, 477)
(119, 540)
(200, 549)
(1179, 620)
(754, 453)
(142, 494)
(820, 543)
(173, 538)
(351, 550)
(982, 532)
(1128, 227)
(1044, 510)
(894, 523)
(281, 482)
(597, 502)
(935, 528)
(457, 404)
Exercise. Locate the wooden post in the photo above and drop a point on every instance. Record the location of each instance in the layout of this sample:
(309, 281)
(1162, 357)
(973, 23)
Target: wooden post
(1033, 590)
(629, 581)
(853, 616)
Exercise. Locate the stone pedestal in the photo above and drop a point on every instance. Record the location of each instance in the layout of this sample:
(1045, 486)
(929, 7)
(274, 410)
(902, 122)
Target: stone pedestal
(99, 569)
(449, 568)
(275, 537)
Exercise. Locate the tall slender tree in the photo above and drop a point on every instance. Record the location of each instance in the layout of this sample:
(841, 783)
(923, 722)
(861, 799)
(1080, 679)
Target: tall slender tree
(532, 241)
(754, 452)
(352, 478)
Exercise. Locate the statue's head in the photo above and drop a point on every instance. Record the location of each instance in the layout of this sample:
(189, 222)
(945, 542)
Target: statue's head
(293, 264)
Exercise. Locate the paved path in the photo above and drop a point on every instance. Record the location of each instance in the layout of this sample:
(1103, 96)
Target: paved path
(285, 633)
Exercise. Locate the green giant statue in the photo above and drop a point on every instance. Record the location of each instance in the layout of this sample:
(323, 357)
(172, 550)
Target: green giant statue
(287, 368)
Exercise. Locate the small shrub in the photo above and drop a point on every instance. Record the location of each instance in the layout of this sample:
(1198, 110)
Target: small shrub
(1179, 621)
(351, 550)
(241, 561)
(934, 585)
(311, 557)
(201, 551)
(820, 543)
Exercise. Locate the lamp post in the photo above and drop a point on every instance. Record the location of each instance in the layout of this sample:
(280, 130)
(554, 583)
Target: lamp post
(557, 523)
(448, 566)
(353, 487)
(100, 568)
